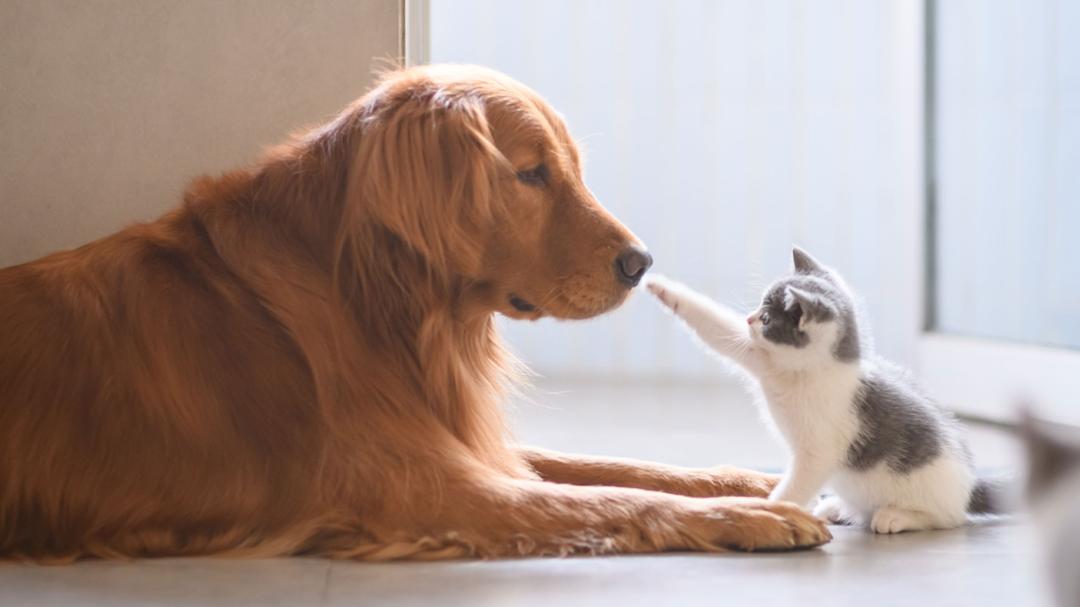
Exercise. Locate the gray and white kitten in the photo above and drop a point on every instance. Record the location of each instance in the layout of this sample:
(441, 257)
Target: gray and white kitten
(852, 420)
(1054, 494)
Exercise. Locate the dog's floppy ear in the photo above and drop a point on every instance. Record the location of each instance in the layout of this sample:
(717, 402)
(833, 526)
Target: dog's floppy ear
(426, 168)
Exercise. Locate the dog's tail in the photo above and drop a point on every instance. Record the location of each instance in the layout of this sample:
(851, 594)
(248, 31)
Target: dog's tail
(992, 496)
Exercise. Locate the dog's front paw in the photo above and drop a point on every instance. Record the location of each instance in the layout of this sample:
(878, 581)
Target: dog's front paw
(756, 524)
(730, 481)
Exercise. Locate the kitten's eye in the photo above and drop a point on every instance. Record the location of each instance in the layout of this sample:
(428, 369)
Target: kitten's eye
(536, 176)
(764, 318)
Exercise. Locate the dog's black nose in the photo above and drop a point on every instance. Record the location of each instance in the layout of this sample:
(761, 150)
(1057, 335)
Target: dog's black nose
(632, 264)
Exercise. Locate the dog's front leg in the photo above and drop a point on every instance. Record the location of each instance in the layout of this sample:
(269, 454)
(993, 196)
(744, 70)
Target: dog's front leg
(504, 517)
(623, 472)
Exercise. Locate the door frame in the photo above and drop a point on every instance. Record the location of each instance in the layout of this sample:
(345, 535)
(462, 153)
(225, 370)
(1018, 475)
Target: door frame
(415, 33)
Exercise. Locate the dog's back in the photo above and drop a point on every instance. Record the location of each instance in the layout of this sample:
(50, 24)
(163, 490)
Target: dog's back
(125, 366)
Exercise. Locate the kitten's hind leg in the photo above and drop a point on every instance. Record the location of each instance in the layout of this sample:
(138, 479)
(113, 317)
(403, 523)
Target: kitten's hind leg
(836, 511)
(889, 519)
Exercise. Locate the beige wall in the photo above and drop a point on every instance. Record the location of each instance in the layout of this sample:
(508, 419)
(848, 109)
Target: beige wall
(108, 108)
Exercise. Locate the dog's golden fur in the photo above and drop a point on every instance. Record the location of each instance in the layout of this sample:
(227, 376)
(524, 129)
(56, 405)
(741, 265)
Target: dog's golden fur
(301, 359)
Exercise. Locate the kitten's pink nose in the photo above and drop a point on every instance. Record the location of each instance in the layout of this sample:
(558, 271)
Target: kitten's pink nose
(750, 319)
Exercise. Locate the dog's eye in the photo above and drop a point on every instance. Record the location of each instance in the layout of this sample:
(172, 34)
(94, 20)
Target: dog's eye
(536, 176)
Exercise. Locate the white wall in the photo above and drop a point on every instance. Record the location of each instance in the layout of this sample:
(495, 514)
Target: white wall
(109, 107)
(722, 132)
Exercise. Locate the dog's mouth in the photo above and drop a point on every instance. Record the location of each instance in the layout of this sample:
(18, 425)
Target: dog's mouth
(520, 304)
(564, 303)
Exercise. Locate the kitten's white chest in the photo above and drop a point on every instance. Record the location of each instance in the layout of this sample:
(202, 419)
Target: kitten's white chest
(814, 410)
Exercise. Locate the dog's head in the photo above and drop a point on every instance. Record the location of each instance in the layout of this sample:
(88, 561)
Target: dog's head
(480, 176)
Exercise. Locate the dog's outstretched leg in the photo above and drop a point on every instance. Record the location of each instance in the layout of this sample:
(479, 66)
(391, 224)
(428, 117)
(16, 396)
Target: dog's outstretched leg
(623, 472)
(513, 517)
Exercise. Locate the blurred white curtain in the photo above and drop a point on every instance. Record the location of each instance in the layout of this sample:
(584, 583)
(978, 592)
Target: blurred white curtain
(722, 132)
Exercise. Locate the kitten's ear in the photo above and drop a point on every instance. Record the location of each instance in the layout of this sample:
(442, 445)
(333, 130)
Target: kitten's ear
(807, 306)
(1053, 452)
(804, 263)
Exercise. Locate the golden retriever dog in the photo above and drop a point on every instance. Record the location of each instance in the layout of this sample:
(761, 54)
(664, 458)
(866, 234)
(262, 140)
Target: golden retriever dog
(302, 359)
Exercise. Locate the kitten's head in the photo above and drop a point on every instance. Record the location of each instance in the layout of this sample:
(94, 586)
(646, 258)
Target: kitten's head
(807, 317)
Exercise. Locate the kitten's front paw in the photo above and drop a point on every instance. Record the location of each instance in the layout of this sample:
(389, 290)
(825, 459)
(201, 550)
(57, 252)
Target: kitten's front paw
(834, 510)
(893, 520)
(663, 289)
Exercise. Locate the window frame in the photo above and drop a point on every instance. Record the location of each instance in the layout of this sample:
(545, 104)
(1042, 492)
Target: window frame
(980, 376)
(415, 32)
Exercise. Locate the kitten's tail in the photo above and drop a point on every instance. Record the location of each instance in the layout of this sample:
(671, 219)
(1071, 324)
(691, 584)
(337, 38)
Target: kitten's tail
(991, 496)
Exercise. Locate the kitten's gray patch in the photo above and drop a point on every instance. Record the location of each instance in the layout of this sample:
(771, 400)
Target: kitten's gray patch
(988, 496)
(783, 327)
(897, 424)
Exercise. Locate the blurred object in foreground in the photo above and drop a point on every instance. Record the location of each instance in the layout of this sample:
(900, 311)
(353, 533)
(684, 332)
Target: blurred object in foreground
(1054, 492)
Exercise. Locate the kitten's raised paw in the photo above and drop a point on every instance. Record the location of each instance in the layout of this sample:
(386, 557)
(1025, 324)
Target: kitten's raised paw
(663, 289)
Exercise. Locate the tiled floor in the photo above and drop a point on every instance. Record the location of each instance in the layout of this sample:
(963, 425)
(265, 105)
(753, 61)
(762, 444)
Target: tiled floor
(989, 563)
